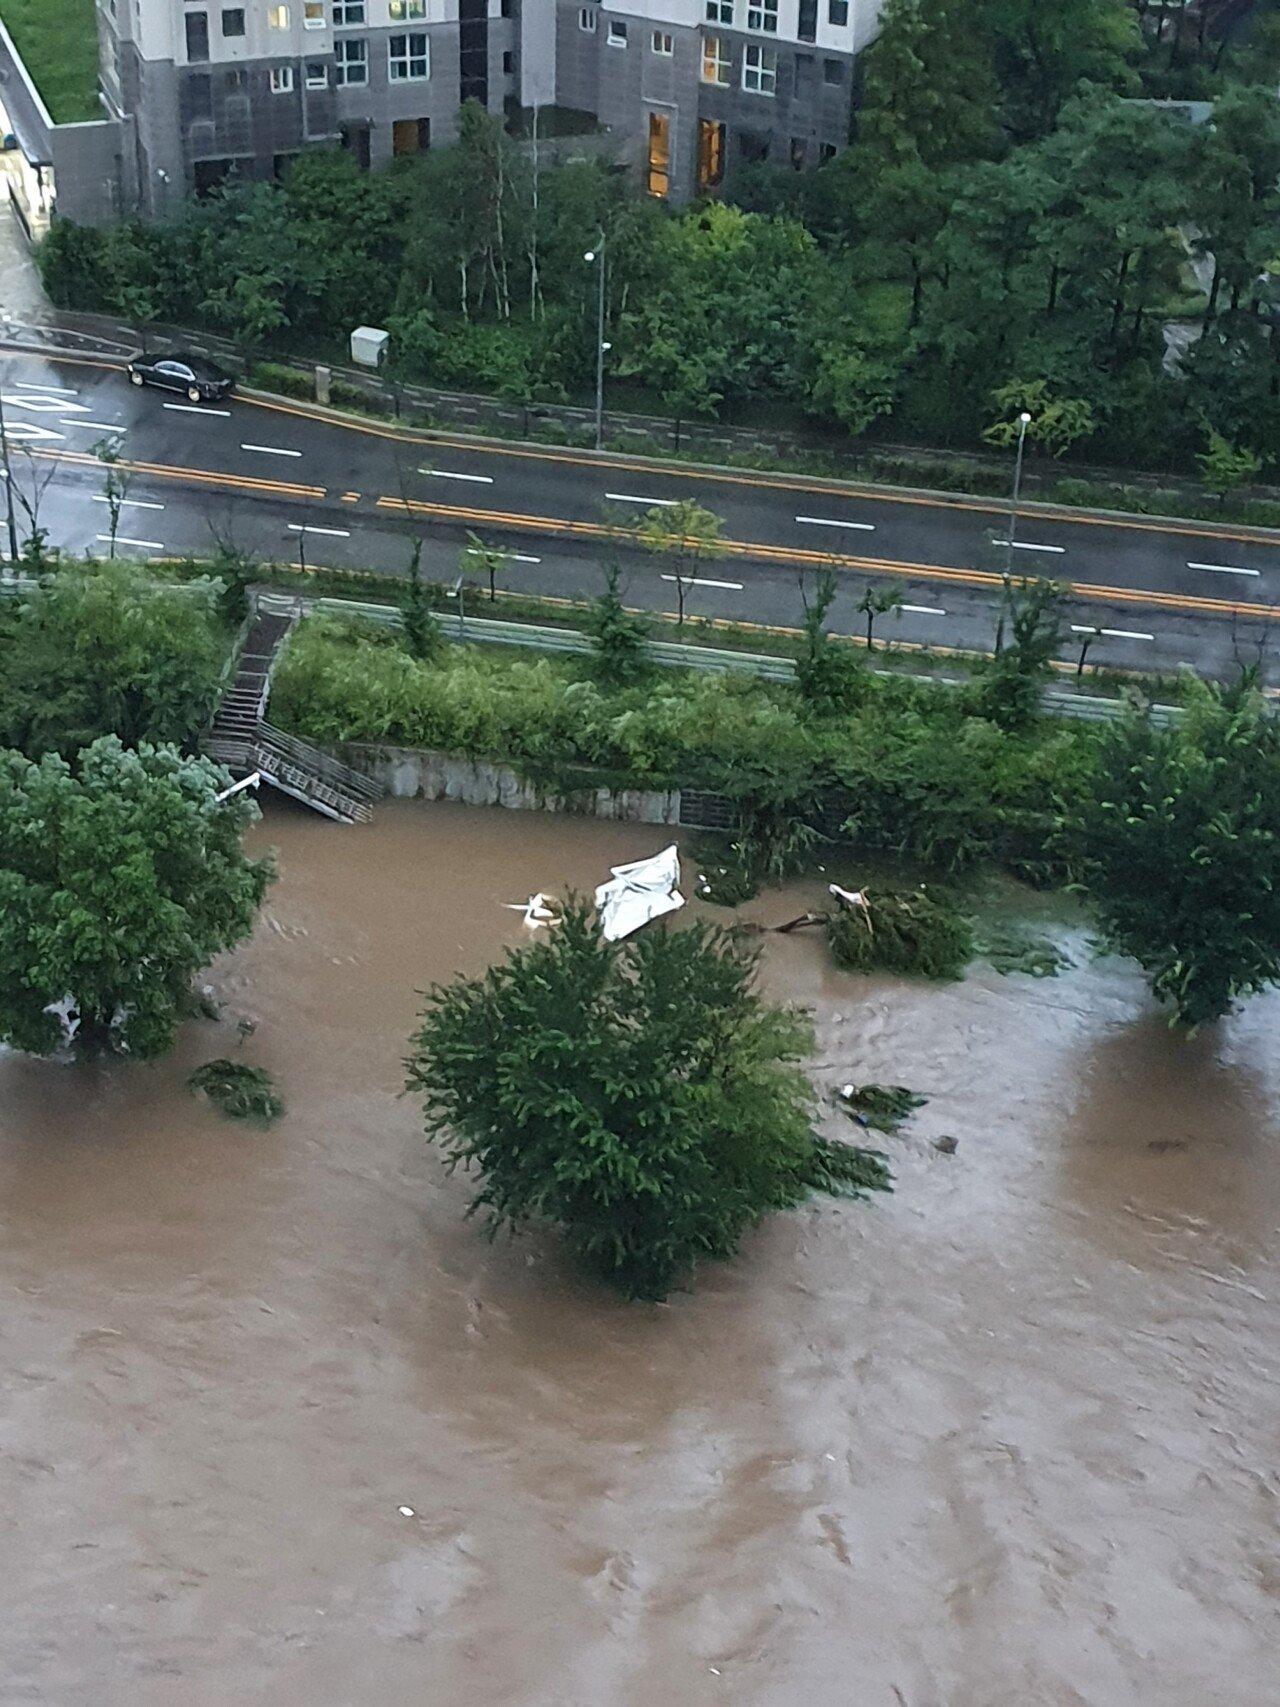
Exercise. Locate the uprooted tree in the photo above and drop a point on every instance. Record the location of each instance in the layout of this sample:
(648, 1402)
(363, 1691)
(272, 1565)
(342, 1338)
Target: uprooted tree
(638, 1096)
(119, 881)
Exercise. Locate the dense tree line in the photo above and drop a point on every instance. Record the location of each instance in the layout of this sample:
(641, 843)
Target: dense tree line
(1011, 228)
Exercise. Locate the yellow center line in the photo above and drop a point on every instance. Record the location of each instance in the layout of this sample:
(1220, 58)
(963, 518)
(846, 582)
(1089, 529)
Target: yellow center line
(1081, 590)
(767, 482)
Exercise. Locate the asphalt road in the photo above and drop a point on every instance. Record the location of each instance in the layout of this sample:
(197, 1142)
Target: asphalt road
(276, 481)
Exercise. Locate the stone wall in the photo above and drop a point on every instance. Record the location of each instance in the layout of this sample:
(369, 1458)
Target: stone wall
(413, 774)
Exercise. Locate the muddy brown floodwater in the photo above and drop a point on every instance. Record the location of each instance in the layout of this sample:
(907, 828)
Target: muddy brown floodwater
(1007, 1436)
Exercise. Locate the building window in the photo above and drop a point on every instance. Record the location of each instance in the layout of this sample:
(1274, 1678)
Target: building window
(762, 15)
(278, 17)
(403, 9)
(197, 26)
(799, 153)
(282, 79)
(663, 44)
(233, 21)
(720, 11)
(317, 74)
(759, 70)
(715, 60)
(617, 33)
(408, 60)
(508, 64)
(347, 12)
(838, 13)
(658, 172)
(827, 152)
(710, 154)
(350, 61)
(313, 17)
(807, 20)
(832, 72)
(587, 20)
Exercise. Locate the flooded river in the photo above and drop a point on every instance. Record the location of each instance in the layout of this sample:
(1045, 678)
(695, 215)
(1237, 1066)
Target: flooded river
(1005, 1437)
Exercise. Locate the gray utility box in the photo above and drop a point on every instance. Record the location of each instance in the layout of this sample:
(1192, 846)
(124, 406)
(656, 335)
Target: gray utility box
(369, 346)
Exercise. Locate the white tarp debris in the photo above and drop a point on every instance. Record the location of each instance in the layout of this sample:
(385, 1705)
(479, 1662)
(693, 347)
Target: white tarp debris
(849, 897)
(639, 892)
(538, 910)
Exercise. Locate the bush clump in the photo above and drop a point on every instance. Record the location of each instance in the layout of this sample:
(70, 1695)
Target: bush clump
(639, 1096)
(240, 1091)
(917, 931)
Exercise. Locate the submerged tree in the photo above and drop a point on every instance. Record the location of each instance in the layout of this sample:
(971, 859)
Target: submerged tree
(638, 1096)
(118, 882)
(1180, 850)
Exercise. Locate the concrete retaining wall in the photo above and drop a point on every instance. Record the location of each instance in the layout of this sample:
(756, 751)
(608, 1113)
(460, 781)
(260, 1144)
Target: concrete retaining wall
(413, 774)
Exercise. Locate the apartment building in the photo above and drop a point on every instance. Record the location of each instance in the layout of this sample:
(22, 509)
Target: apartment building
(700, 86)
(214, 89)
(682, 92)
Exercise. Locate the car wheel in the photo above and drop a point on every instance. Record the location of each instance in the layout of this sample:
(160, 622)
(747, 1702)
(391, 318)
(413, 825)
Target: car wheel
(135, 378)
(193, 392)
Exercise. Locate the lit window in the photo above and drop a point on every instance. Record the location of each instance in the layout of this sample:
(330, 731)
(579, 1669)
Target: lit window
(313, 17)
(762, 15)
(663, 44)
(402, 9)
(710, 154)
(278, 17)
(759, 70)
(719, 11)
(350, 61)
(317, 74)
(282, 79)
(408, 59)
(587, 20)
(715, 61)
(347, 12)
(617, 33)
(658, 174)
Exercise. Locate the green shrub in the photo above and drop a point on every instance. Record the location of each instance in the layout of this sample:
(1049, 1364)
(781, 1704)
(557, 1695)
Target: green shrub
(240, 1091)
(637, 1096)
(917, 931)
(104, 649)
(288, 381)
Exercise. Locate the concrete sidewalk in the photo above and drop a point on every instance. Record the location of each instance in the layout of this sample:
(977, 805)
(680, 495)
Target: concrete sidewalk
(21, 293)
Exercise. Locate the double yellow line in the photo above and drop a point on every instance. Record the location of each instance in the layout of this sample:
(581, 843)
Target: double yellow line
(194, 476)
(1184, 603)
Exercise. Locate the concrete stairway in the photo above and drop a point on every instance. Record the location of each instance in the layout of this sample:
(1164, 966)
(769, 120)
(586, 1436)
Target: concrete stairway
(240, 738)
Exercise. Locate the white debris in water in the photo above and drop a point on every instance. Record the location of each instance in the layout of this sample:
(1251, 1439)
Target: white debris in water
(407, 1511)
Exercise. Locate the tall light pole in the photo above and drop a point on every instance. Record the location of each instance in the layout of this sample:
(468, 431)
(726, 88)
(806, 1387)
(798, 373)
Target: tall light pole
(1010, 544)
(8, 491)
(598, 256)
(1024, 421)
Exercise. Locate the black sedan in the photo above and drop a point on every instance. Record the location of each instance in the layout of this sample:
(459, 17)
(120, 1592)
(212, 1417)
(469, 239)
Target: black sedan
(176, 370)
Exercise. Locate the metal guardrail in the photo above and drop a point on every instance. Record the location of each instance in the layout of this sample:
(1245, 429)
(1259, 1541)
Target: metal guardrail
(674, 654)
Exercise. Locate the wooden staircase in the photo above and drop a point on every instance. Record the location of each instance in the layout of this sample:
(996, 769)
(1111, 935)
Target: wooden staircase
(240, 738)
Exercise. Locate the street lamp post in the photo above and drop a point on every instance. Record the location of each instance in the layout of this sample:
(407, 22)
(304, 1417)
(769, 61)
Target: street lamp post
(1024, 421)
(598, 256)
(1010, 544)
(8, 491)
